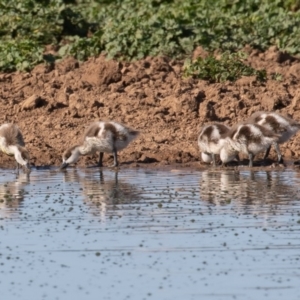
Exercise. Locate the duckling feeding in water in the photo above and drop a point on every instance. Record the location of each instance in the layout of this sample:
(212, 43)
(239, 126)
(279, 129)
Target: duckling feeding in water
(249, 139)
(210, 141)
(12, 144)
(108, 137)
(282, 125)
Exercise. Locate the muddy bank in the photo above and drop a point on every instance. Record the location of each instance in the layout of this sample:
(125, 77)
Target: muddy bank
(53, 104)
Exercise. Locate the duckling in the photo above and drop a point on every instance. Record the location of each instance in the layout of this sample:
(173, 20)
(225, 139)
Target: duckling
(282, 125)
(209, 141)
(12, 143)
(249, 139)
(108, 137)
(206, 157)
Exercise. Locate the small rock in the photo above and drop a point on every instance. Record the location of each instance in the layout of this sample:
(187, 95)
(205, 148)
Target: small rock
(161, 140)
(32, 102)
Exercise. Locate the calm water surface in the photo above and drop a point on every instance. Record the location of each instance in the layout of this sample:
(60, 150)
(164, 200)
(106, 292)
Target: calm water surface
(150, 234)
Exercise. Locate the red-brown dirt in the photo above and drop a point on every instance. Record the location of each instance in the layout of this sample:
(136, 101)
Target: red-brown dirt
(53, 104)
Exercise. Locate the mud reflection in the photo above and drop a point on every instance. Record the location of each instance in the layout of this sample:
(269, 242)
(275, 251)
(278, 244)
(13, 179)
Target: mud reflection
(103, 193)
(12, 194)
(246, 187)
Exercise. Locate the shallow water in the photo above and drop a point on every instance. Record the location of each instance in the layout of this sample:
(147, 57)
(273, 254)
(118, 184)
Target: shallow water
(150, 234)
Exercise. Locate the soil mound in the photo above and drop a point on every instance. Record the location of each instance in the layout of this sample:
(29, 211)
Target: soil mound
(53, 104)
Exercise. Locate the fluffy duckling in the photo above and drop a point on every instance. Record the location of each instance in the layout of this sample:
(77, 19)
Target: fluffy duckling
(206, 157)
(282, 125)
(12, 144)
(210, 141)
(108, 137)
(249, 139)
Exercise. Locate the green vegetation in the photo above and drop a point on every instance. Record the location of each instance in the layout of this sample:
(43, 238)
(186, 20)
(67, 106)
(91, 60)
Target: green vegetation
(228, 67)
(132, 29)
(21, 55)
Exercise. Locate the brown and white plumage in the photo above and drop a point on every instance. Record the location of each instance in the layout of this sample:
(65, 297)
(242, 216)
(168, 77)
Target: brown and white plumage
(210, 141)
(249, 139)
(12, 144)
(279, 124)
(103, 137)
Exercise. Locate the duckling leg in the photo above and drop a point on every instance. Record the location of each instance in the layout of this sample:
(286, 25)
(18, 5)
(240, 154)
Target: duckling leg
(267, 152)
(101, 177)
(277, 149)
(116, 177)
(214, 160)
(115, 154)
(251, 157)
(100, 160)
(17, 168)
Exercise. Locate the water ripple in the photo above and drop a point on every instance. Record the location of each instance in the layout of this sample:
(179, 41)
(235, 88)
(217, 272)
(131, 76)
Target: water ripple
(178, 233)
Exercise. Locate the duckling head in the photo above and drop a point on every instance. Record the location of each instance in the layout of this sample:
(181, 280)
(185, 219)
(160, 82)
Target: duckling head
(70, 156)
(22, 157)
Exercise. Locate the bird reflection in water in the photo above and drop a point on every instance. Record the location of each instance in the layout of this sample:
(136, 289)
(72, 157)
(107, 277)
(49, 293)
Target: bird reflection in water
(105, 195)
(247, 190)
(12, 195)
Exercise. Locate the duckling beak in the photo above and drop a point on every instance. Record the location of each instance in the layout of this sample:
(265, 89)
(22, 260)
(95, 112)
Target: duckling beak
(63, 166)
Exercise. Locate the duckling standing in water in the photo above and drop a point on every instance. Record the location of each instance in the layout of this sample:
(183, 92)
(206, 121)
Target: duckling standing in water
(210, 141)
(12, 144)
(108, 137)
(282, 125)
(249, 139)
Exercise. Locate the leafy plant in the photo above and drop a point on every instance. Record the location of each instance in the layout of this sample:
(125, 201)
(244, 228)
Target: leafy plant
(230, 67)
(277, 76)
(81, 48)
(23, 55)
(129, 30)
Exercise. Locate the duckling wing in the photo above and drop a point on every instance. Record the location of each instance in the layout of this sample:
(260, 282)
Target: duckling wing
(12, 135)
(92, 130)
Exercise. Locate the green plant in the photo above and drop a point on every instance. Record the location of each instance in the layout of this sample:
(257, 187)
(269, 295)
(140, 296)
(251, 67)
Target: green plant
(129, 30)
(277, 76)
(229, 66)
(22, 55)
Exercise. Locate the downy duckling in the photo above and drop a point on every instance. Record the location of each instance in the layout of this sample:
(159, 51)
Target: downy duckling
(282, 125)
(108, 137)
(249, 139)
(206, 157)
(209, 141)
(12, 144)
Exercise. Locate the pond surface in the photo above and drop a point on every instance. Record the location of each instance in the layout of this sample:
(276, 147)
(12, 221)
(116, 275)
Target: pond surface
(150, 234)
